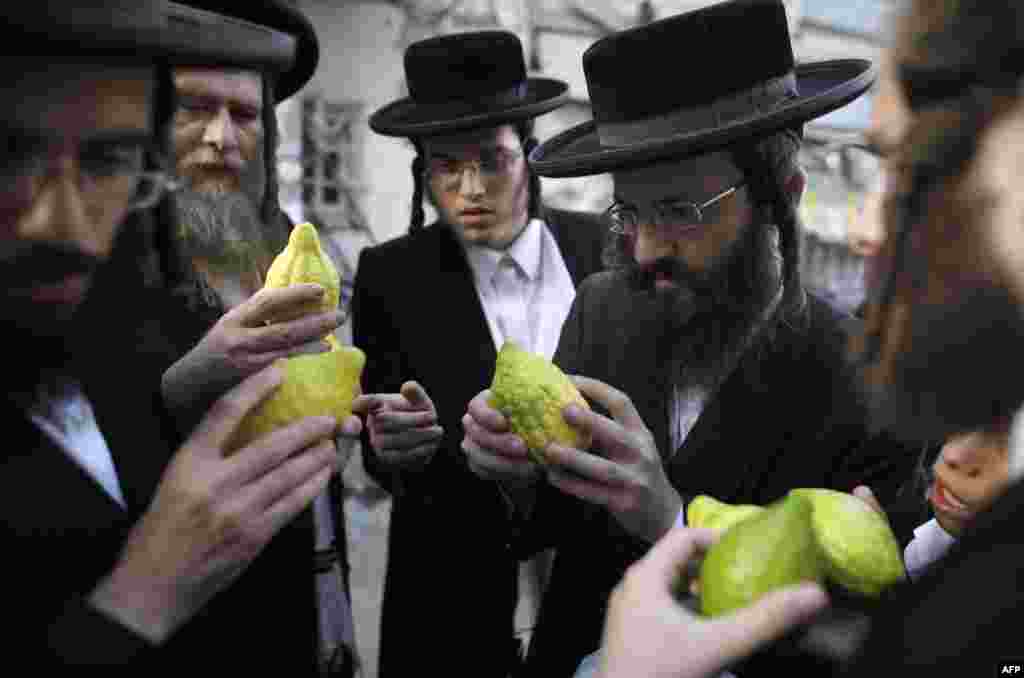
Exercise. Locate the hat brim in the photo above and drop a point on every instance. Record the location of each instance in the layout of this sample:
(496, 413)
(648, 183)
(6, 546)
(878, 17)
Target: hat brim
(406, 118)
(824, 86)
(281, 16)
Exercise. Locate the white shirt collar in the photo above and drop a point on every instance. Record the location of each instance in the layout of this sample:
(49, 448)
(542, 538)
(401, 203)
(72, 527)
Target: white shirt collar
(72, 426)
(525, 250)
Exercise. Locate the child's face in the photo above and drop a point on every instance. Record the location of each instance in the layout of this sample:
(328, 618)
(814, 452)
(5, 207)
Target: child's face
(971, 472)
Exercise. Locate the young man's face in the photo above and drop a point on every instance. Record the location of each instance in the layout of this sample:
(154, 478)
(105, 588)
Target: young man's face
(74, 146)
(697, 245)
(479, 182)
(218, 130)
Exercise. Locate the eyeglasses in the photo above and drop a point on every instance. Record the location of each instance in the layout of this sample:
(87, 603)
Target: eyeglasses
(108, 169)
(669, 213)
(491, 164)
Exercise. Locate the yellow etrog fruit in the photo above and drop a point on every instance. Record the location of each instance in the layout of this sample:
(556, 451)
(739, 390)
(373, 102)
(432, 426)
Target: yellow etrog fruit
(531, 392)
(313, 385)
(303, 261)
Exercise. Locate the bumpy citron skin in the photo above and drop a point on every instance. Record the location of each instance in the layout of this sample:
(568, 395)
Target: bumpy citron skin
(313, 385)
(860, 549)
(705, 511)
(532, 392)
(767, 551)
(304, 261)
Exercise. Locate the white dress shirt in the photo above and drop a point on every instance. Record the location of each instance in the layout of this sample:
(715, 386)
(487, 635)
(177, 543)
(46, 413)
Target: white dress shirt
(538, 304)
(72, 426)
(929, 544)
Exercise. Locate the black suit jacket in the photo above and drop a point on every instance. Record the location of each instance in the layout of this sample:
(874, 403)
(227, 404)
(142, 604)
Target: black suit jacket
(61, 533)
(452, 543)
(786, 417)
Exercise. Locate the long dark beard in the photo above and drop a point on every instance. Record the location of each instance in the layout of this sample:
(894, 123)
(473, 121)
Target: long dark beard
(712, 317)
(36, 335)
(961, 371)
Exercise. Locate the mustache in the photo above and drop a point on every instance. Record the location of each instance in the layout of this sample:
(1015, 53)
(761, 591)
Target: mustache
(643, 277)
(27, 264)
(210, 159)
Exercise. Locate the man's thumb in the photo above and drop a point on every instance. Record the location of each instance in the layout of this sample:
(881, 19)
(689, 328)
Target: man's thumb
(767, 619)
(416, 395)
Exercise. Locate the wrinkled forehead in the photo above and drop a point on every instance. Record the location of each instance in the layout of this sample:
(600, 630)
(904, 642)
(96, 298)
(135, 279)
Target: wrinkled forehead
(60, 94)
(472, 143)
(220, 84)
(695, 178)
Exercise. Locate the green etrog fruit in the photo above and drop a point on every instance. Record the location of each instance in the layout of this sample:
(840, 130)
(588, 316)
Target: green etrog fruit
(860, 549)
(705, 511)
(771, 550)
(531, 392)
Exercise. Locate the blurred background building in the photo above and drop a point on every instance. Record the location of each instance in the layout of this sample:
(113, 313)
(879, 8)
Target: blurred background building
(356, 185)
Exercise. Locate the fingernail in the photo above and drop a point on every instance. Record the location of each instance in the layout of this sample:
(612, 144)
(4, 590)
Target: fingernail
(339, 317)
(571, 411)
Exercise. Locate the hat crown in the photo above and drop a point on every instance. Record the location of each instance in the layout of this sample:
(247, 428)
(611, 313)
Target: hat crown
(464, 66)
(720, 51)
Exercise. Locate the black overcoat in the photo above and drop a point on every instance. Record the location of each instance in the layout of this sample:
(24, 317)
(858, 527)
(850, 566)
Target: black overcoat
(788, 416)
(60, 532)
(451, 584)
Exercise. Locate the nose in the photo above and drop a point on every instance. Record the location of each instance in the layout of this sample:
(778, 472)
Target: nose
(220, 132)
(470, 182)
(59, 213)
(651, 244)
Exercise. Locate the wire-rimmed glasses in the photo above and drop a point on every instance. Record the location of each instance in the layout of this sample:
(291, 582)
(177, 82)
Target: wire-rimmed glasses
(624, 218)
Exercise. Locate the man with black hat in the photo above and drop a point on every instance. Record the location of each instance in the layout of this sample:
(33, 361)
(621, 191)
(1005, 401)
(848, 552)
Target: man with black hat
(432, 308)
(127, 545)
(225, 137)
(719, 373)
(942, 356)
(229, 227)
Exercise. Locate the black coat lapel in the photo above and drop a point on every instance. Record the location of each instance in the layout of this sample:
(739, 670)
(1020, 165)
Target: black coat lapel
(458, 305)
(33, 457)
(639, 371)
(579, 237)
(139, 436)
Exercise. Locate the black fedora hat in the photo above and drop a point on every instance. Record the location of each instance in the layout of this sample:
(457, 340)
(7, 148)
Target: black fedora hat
(281, 17)
(207, 32)
(465, 81)
(736, 79)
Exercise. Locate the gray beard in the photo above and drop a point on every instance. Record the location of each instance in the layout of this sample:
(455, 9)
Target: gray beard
(226, 232)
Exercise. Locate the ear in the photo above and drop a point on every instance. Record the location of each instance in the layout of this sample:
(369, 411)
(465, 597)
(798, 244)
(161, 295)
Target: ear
(795, 185)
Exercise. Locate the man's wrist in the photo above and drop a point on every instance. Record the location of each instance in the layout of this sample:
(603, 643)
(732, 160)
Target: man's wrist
(139, 607)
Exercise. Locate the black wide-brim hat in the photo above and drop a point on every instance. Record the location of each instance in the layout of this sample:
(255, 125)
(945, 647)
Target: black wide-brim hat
(254, 34)
(467, 81)
(734, 79)
(282, 17)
